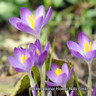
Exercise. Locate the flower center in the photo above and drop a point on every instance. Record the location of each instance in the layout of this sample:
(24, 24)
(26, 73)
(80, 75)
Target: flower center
(58, 71)
(88, 48)
(38, 52)
(24, 58)
(32, 21)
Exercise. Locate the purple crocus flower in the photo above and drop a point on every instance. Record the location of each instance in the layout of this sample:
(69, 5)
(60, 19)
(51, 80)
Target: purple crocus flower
(31, 23)
(84, 49)
(22, 61)
(40, 56)
(58, 76)
(72, 93)
(94, 91)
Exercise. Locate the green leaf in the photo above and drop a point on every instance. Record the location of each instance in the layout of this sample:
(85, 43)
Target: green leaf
(77, 84)
(52, 54)
(22, 84)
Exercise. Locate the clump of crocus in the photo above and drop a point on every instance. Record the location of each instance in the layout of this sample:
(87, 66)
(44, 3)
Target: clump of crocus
(23, 61)
(94, 91)
(40, 56)
(31, 23)
(85, 50)
(59, 77)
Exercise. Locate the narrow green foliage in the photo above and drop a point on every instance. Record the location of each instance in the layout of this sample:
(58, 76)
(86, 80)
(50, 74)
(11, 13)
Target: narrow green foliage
(77, 84)
(29, 92)
(52, 54)
(36, 84)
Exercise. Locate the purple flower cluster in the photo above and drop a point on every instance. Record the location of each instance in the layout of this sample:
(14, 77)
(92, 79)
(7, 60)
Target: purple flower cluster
(24, 59)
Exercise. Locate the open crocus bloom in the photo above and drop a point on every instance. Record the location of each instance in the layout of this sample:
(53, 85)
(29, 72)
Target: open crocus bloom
(94, 91)
(31, 23)
(58, 76)
(84, 49)
(40, 56)
(22, 61)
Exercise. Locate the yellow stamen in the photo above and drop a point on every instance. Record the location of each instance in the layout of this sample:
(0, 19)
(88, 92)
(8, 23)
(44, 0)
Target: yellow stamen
(32, 23)
(58, 71)
(90, 47)
(34, 18)
(24, 58)
(38, 52)
(86, 47)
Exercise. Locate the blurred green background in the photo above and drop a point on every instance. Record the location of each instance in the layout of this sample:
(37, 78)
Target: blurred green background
(80, 13)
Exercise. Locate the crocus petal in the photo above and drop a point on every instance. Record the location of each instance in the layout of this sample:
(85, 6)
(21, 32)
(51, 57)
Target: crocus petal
(32, 57)
(74, 46)
(48, 16)
(37, 59)
(17, 54)
(38, 44)
(25, 28)
(32, 47)
(52, 76)
(90, 55)
(13, 21)
(65, 69)
(42, 58)
(94, 45)
(72, 93)
(28, 65)
(82, 39)
(50, 83)
(19, 70)
(38, 24)
(15, 63)
(77, 54)
(54, 67)
(62, 79)
(94, 91)
(24, 14)
(47, 47)
(70, 74)
(40, 11)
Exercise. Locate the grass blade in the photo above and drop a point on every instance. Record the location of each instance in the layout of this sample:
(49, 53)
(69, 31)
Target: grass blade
(77, 84)
(53, 45)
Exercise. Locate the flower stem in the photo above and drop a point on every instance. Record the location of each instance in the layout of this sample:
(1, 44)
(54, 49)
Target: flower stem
(89, 80)
(32, 83)
(67, 92)
(42, 82)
